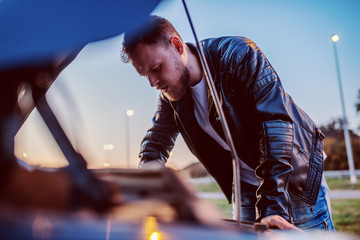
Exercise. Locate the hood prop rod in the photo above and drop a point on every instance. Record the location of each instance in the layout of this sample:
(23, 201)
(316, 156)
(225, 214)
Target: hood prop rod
(225, 127)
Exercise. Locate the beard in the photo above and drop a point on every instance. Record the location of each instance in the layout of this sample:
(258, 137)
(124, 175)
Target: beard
(176, 92)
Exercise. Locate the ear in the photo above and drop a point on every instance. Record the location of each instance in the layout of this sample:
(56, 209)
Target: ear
(177, 43)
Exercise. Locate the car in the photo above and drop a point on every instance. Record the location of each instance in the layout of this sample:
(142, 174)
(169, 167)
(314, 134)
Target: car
(39, 39)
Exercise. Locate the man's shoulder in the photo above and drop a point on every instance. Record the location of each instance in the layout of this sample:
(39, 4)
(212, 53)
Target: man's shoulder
(226, 42)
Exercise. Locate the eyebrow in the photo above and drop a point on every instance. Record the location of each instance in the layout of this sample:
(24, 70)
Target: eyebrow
(152, 68)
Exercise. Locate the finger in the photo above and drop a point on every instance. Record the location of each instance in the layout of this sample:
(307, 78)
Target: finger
(284, 225)
(276, 221)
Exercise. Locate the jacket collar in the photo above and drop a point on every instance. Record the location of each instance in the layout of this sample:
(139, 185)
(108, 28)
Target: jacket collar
(194, 47)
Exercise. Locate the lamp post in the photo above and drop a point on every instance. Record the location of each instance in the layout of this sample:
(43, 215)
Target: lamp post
(334, 39)
(129, 113)
(108, 148)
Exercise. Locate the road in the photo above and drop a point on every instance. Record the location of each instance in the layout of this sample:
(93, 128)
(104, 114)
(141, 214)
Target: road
(334, 194)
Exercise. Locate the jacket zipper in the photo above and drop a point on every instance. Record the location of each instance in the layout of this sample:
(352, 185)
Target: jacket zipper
(302, 151)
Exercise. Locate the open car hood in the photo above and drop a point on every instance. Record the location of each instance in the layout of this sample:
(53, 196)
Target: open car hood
(34, 31)
(41, 34)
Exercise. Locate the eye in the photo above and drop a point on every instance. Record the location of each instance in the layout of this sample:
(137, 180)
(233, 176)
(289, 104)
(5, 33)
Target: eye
(157, 69)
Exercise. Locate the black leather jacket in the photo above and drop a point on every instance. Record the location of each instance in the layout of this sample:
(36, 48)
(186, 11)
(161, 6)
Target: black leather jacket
(270, 132)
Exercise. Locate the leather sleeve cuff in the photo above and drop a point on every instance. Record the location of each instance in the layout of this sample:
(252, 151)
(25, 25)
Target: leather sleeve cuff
(274, 171)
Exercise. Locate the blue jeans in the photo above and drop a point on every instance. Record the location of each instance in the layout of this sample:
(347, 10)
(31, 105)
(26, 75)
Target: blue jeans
(305, 217)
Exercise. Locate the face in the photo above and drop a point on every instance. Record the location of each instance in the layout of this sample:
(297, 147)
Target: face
(164, 67)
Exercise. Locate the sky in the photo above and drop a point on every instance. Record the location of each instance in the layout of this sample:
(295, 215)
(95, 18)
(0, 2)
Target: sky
(91, 96)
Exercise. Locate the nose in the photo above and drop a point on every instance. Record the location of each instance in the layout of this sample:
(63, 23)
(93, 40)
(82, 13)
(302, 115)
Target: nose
(152, 80)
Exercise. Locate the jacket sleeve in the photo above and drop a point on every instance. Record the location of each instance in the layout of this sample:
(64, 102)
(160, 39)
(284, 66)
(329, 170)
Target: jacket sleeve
(260, 80)
(160, 138)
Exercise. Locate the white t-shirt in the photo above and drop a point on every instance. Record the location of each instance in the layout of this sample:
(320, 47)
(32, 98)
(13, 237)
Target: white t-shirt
(200, 95)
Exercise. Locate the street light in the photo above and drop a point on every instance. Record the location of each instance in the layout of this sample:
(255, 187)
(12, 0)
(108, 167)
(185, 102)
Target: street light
(108, 147)
(334, 39)
(129, 113)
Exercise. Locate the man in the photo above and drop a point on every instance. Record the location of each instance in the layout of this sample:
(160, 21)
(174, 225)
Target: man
(280, 147)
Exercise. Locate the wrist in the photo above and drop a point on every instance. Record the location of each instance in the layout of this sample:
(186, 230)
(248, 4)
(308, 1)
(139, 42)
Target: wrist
(153, 164)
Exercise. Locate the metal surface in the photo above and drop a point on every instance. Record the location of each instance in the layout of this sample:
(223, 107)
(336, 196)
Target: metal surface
(36, 31)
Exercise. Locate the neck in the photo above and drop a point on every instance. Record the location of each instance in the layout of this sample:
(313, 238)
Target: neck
(194, 66)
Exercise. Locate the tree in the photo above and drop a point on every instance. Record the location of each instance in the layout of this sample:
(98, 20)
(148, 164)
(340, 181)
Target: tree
(358, 103)
(335, 148)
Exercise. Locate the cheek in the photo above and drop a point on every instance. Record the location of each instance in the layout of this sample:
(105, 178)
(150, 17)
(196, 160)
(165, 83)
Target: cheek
(171, 69)
(168, 72)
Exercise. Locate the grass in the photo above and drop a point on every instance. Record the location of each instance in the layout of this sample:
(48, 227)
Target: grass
(334, 184)
(342, 184)
(210, 187)
(345, 213)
